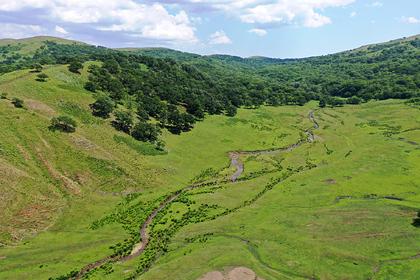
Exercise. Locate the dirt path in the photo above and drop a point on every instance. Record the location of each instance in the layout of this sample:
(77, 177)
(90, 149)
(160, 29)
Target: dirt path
(235, 161)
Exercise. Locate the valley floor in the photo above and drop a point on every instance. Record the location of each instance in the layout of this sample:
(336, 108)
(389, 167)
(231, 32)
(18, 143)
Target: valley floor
(339, 205)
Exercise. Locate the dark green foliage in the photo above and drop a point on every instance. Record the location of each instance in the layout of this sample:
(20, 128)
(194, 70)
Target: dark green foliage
(354, 100)
(153, 106)
(142, 114)
(335, 102)
(42, 77)
(322, 103)
(146, 132)
(123, 121)
(416, 221)
(3, 95)
(414, 102)
(231, 111)
(37, 67)
(90, 86)
(17, 102)
(195, 108)
(177, 121)
(75, 65)
(63, 123)
(102, 107)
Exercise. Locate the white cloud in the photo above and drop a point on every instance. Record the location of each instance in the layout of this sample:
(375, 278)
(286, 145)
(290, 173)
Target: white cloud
(376, 4)
(258, 31)
(271, 12)
(154, 20)
(353, 14)
(14, 5)
(16, 31)
(412, 20)
(219, 38)
(151, 21)
(60, 30)
(302, 12)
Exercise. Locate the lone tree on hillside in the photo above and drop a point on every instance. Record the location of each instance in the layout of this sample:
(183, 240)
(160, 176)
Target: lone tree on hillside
(42, 77)
(17, 102)
(75, 66)
(63, 123)
(102, 107)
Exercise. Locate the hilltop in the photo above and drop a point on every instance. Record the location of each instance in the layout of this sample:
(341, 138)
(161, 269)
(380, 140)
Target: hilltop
(28, 46)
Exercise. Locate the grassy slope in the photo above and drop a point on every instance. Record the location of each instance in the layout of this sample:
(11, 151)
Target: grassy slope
(28, 46)
(298, 229)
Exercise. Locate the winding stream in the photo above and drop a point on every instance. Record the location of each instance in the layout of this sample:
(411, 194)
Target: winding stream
(235, 161)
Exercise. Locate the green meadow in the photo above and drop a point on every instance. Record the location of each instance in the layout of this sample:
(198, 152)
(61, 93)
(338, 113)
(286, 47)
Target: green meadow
(339, 207)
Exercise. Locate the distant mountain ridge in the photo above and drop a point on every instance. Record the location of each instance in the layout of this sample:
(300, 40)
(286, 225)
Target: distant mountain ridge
(32, 43)
(180, 55)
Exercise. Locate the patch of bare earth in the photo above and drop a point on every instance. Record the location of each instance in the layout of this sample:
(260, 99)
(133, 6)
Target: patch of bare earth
(39, 107)
(24, 152)
(237, 273)
(9, 171)
(330, 181)
(46, 144)
(136, 248)
(70, 185)
(83, 143)
(214, 275)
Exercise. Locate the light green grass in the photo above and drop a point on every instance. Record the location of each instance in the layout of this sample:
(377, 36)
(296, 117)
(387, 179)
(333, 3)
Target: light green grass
(331, 222)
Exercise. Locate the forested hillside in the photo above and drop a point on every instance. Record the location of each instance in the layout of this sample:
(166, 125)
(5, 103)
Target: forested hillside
(171, 89)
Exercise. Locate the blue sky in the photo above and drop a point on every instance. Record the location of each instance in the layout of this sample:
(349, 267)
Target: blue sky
(275, 28)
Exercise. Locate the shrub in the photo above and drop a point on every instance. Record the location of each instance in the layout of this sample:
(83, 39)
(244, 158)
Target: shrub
(37, 67)
(4, 95)
(42, 77)
(63, 123)
(17, 102)
(354, 100)
(416, 221)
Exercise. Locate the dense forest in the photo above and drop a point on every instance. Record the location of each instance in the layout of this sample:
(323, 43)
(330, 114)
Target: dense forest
(166, 89)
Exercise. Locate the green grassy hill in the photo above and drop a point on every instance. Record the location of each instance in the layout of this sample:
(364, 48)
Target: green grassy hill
(338, 205)
(30, 45)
